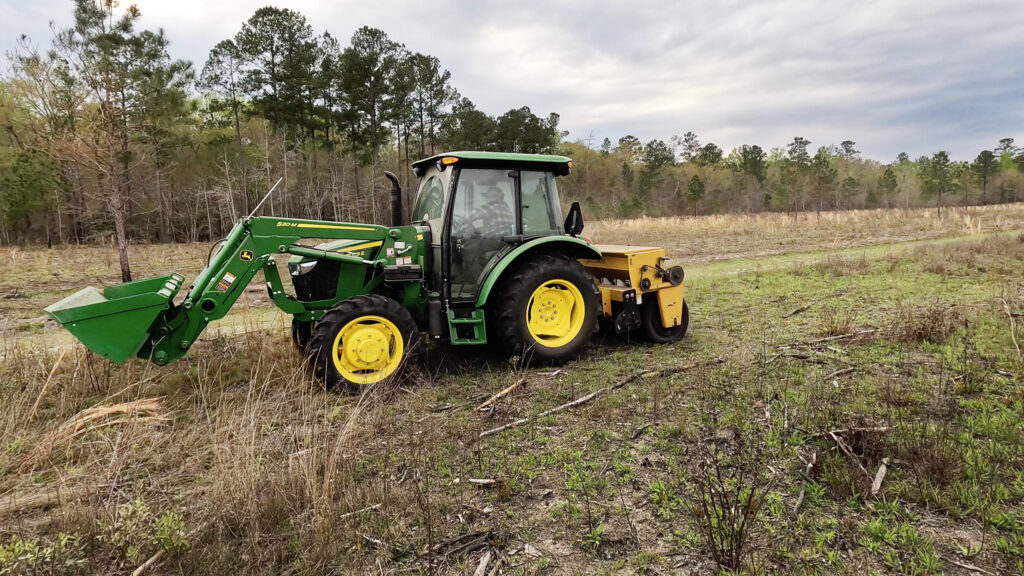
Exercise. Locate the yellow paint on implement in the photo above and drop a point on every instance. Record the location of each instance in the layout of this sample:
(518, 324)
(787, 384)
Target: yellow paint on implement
(359, 247)
(555, 313)
(368, 349)
(333, 227)
(632, 265)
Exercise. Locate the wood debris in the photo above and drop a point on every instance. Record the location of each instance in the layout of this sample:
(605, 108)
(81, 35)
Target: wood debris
(367, 509)
(504, 392)
(879, 477)
(481, 569)
(849, 452)
(587, 398)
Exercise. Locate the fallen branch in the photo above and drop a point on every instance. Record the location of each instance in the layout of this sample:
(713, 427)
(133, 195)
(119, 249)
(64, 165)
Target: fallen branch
(462, 544)
(849, 453)
(367, 509)
(148, 563)
(374, 541)
(840, 373)
(639, 431)
(803, 308)
(828, 339)
(970, 567)
(842, 336)
(584, 399)
(803, 488)
(849, 430)
(481, 569)
(502, 394)
(18, 502)
(879, 477)
(833, 358)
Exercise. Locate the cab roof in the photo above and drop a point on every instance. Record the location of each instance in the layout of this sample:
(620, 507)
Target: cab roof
(558, 164)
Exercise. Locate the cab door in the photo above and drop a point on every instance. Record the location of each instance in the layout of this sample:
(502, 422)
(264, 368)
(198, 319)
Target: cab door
(430, 210)
(483, 217)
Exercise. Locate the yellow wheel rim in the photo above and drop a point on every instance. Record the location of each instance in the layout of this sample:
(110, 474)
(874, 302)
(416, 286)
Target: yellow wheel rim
(555, 313)
(368, 349)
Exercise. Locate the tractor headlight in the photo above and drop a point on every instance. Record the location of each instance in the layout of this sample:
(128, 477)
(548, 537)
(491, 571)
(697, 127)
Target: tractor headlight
(306, 266)
(303, 267)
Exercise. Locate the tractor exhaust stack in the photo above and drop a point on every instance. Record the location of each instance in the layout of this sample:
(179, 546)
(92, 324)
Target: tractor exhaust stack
(396, 199)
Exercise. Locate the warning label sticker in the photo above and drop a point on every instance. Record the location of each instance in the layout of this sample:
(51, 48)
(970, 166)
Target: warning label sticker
(225, 282)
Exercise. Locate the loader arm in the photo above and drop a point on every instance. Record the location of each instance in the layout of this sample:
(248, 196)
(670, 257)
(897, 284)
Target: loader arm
(141, 319)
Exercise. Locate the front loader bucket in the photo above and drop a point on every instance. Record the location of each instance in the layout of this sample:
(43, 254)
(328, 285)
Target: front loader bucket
(116, 321)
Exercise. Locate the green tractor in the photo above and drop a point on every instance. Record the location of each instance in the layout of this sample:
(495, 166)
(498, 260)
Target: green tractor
(487, 258)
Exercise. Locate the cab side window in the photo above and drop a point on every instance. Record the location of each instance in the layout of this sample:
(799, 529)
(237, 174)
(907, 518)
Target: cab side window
(430, 203)
(542, 214)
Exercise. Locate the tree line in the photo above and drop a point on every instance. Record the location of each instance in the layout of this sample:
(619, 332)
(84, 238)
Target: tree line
(684, 176)
(106, 137)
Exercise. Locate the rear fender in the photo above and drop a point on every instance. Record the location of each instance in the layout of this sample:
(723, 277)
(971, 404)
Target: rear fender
(568, 245)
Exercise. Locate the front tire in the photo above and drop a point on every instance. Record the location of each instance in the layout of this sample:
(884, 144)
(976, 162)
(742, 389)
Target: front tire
(546, 309)
(362, 341)
(302, 331)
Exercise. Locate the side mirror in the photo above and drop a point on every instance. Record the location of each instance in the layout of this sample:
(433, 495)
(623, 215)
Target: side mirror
(574, 220)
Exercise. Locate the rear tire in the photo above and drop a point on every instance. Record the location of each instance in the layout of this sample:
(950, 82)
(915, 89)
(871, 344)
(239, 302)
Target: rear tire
(546, 309)
(650, 322)
(362, 341)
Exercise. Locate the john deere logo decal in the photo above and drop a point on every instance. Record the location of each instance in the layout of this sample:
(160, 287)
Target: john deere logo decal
(245, 255)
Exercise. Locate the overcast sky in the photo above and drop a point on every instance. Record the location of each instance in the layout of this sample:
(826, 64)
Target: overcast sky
(894, 76)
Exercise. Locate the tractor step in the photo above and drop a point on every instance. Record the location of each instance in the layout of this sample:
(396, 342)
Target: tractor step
(469, 330)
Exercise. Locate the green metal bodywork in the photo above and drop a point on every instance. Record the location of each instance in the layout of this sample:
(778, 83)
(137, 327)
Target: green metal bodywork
(142, 318)
(576, 247)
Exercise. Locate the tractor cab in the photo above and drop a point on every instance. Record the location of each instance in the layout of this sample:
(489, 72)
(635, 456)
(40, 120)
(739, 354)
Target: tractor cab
(480, 207)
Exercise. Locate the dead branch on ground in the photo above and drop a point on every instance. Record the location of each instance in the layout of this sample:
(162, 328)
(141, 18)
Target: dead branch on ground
(504, 392)
(584, 399)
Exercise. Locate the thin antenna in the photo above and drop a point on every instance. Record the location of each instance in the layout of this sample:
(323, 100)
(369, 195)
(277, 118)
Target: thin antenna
(265, 198)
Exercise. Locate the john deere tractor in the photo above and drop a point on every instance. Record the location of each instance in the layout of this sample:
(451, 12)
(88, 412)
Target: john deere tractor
(486, 258)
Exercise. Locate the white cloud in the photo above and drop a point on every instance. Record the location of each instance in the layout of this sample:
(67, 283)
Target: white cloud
(895, 76)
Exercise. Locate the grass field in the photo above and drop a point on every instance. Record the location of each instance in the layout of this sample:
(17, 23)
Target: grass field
(848, 400)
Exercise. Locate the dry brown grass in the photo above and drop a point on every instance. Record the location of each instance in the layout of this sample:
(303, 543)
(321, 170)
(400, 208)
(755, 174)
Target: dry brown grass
(724, 236)
(136, 412)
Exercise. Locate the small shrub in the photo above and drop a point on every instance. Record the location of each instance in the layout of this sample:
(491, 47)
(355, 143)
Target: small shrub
(833, 321)
(128, 533)
(592, 539)
(64, 556)
(731, 487)
(933, 323)
(169, 532)
(664, 499)
(933, 450)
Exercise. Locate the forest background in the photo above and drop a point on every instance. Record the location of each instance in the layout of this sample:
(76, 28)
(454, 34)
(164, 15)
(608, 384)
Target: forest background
(105, 137)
